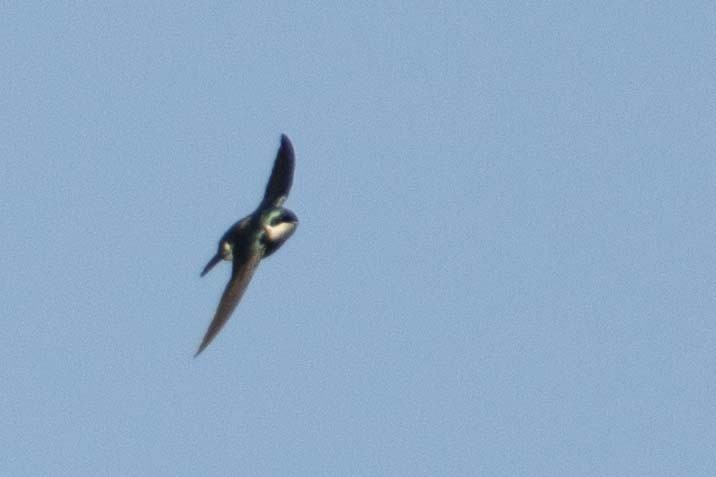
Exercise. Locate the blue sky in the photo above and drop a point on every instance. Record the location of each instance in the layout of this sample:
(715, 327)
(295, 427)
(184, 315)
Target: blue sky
(504, 266)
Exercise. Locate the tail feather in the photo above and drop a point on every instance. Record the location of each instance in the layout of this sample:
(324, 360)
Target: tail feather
(214, 260)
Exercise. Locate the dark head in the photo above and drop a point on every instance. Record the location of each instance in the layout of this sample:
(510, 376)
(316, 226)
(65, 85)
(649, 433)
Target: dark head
(279, 224)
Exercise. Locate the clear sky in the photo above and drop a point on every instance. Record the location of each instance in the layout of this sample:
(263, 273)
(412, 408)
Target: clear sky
(505, 263)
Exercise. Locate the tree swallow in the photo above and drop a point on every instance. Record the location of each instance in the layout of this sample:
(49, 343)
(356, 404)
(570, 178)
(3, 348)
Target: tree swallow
(254, 237)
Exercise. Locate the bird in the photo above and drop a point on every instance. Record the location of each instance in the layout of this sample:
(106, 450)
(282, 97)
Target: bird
(253, 238)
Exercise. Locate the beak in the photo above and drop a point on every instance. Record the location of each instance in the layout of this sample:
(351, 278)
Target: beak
(214, 260)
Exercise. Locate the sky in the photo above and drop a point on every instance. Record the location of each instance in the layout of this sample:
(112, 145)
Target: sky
(504, 265)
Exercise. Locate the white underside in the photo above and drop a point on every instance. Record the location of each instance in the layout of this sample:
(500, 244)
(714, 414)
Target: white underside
(226, 252)
(280, 231)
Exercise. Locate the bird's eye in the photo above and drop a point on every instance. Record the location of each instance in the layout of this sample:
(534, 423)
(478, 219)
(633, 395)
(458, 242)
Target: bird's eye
(288, 217)
(283, 217)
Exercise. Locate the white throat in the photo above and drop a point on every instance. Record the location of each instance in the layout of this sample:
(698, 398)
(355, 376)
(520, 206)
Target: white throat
(279, 232)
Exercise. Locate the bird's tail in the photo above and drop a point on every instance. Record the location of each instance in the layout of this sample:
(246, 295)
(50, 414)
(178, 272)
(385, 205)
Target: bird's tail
(214, 260)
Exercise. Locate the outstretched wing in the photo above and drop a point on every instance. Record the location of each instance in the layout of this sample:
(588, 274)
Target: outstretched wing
(279, 183)
(244, 265)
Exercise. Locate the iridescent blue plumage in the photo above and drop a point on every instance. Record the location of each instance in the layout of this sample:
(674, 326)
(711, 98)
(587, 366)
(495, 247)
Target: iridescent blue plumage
(254, 237)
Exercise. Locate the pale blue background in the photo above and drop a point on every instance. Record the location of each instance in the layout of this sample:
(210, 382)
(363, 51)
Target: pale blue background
(505, 263)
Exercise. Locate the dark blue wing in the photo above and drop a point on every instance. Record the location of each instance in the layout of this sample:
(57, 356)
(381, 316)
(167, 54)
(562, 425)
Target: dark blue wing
(279, 183)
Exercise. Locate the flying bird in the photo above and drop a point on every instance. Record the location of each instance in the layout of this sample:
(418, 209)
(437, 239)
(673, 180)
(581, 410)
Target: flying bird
(253, 238)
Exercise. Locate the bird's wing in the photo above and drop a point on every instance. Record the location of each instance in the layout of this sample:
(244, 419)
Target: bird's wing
(244, 265)
(279, 183)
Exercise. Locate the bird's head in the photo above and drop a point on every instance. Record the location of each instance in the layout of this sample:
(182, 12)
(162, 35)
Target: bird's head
(278, 226)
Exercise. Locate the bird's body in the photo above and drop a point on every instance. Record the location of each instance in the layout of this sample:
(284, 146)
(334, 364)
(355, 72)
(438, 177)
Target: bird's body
(253, 238)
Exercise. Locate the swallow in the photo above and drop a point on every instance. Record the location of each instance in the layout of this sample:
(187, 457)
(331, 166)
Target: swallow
(254, 238)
